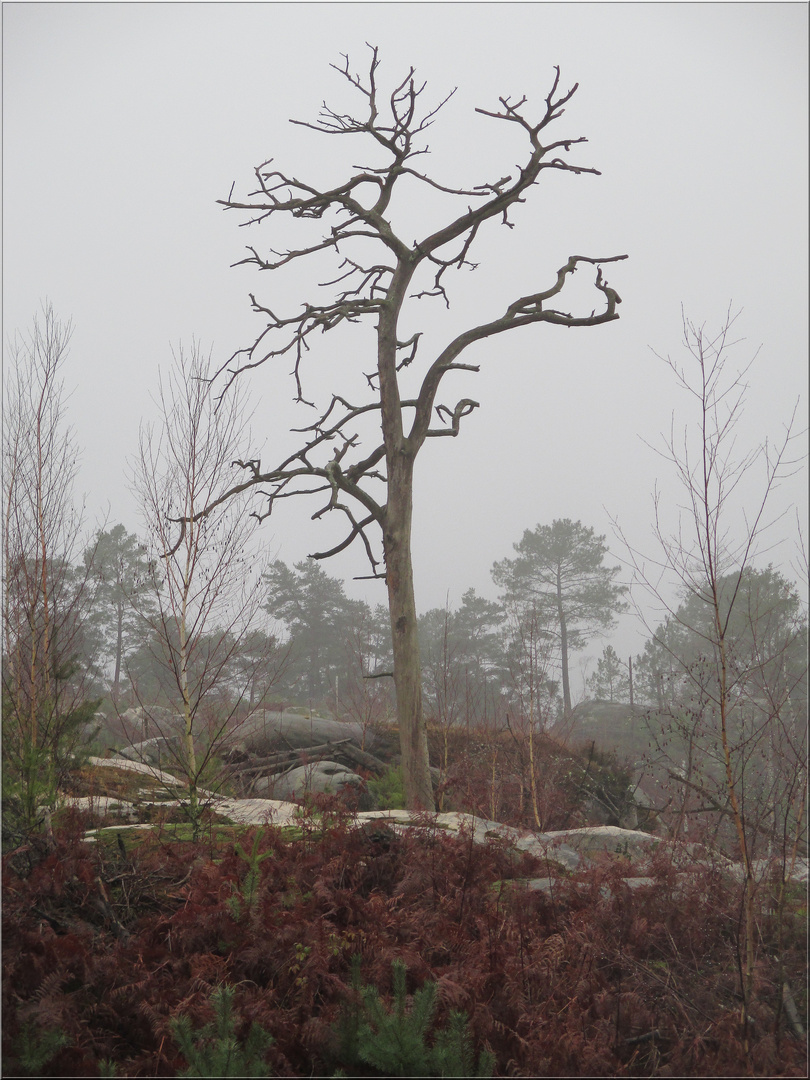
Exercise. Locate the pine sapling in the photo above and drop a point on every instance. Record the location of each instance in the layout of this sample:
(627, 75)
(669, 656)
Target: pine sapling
(36, 1048)
(214, 1050)
(394, 1042)
(249, 891)
(453, 1053)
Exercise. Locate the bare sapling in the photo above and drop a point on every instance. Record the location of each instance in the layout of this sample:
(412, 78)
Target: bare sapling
(735, 637)
(531, 666)
(207, 582)
(46, 687)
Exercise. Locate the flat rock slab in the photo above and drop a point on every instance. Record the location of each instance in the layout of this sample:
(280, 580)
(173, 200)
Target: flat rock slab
(243, 811)
(571, 849)
(603, 839)
(137, 766)
(101, 804)
(259, 811)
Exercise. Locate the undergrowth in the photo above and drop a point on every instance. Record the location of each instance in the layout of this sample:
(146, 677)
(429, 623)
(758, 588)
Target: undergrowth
(109, 956)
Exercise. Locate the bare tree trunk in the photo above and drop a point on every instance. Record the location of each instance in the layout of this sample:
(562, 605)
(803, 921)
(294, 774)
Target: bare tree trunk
(188, 711)
(119, 649)
(739, 823)
(396, 527)
(402, 608)
(532, 777)
(563, 649)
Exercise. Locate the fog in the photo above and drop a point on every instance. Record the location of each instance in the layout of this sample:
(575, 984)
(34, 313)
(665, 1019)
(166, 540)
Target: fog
(124, 123)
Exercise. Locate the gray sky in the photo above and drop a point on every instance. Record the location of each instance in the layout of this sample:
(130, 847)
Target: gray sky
(123, 123)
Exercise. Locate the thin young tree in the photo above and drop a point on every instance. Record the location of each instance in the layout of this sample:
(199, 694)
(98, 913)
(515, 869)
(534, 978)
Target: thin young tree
(443, 676)
(45, 688)
(207, 584)
(358, 455)
(531, 704)
(610, 681)
(766, 641)
(367, 697)
(709, 551)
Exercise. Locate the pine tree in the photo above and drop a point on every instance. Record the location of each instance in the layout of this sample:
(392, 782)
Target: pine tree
(124, 595)
(320, 619)
(559, 574)
(611, 680)
(397, 1041)
(214, 1049)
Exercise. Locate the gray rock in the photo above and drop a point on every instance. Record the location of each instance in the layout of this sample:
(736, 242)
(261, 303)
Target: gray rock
(571, 848)
(150, 721)
(267, 732)
(321, 776)
(102, 805)
(610, 839)
(548, 885)
(555, 851)
(152, 751)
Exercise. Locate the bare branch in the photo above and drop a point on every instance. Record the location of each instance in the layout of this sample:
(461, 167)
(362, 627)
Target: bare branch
(523, 312)
(464, 408)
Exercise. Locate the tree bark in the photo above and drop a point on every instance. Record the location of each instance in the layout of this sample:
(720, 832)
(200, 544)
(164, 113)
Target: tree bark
(563, 649)
(119, 648)
(400, 453)
(402, 608)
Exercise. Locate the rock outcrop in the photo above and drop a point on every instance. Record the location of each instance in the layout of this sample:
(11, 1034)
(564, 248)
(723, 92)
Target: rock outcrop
(267, 732)
(157, 751)
(568, 850)
(328, 777)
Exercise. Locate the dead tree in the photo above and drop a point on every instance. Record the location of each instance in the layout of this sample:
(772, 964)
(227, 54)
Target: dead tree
(370, 483)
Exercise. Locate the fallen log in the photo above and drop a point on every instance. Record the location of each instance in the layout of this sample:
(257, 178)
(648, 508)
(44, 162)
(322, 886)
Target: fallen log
(364, 759)
(286, 757)
(342, 748)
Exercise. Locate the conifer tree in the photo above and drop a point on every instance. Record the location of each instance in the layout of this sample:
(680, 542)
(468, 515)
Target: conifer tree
(611, 680)
(123, 597)
(559, 573)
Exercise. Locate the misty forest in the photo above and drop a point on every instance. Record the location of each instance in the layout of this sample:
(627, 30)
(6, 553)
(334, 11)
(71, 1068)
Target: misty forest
(253, 826)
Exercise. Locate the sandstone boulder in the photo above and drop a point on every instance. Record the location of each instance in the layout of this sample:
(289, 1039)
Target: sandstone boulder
(155, 751)
(327, 777)
(631, 844)
(145, 722)
(267, 732)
